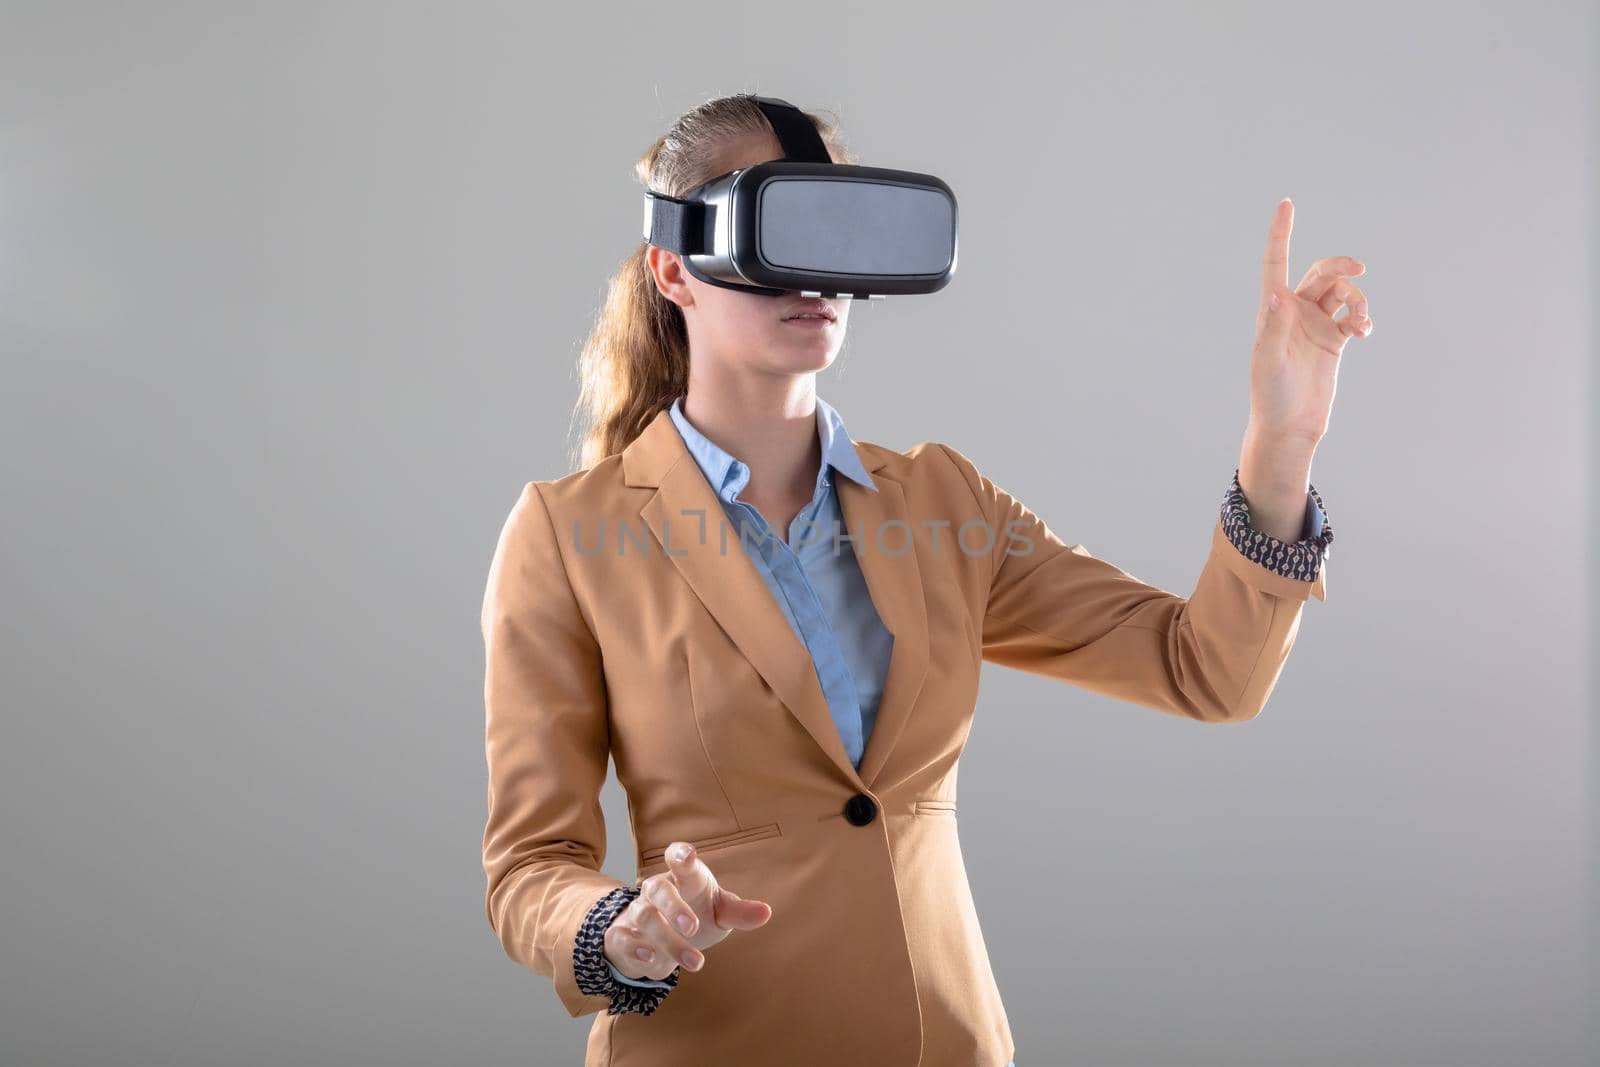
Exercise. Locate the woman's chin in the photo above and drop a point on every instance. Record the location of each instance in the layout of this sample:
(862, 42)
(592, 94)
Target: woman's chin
(797, 360)
(820, 362)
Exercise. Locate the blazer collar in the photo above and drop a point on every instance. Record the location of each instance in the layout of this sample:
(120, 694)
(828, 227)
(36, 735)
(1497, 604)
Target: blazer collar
(684, 515)
(647, 458)
(728, 474)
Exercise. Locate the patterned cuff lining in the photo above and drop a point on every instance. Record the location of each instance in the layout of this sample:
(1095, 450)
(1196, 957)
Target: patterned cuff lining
(1301, 559)
(590, 966)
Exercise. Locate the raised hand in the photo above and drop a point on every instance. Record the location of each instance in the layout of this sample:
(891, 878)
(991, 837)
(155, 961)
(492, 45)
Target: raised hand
(1295, 361)
(677, 914)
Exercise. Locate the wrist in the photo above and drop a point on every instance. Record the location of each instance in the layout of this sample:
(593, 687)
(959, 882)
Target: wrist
(1275, 477)
(1280, 440)
(1278, 446)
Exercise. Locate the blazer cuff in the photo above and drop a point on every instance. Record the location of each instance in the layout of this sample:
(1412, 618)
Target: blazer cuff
(594, 972)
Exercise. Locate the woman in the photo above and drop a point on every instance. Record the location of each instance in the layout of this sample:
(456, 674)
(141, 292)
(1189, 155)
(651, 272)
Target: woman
(776, 633)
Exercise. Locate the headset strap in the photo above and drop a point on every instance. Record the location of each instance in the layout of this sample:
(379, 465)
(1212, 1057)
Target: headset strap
(797, 134)
(680, 225)
(676, 225)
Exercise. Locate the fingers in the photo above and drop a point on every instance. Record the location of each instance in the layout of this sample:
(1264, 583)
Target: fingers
(1275, 263)
(654, 932)
(668, 942)
(695, 883)
(633, 951)
(1343, 293)
(641, 943)
(1327, 284)
(1354, 326)
(1324, 272)
(664, 893)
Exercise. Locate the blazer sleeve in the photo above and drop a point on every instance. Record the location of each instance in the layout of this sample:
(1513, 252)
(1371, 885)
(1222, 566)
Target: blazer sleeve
(1056, 610)
(547, 744)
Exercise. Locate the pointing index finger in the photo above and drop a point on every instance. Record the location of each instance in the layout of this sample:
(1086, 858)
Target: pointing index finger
(1275, 265)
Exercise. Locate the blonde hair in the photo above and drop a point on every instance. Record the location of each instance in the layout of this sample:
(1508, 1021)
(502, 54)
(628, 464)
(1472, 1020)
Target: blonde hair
(636, 358)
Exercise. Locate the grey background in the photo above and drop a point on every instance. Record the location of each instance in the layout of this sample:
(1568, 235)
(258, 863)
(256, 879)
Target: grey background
(290, 301)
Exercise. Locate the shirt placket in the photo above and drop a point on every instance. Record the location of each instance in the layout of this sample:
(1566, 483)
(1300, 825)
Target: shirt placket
(810, 620)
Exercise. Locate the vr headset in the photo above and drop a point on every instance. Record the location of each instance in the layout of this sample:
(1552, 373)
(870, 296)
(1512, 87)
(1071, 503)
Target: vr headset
(804, 222)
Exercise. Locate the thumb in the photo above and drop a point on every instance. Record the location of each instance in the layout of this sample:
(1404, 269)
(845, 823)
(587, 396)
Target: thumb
(733, 912)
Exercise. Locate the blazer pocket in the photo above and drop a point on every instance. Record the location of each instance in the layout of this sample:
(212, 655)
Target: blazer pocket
(709, 844)
(935, 807)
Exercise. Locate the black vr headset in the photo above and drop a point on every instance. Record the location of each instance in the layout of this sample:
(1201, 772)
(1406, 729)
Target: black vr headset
(804, 222)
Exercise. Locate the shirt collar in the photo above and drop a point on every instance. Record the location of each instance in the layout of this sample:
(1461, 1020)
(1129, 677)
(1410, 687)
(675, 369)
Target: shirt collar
(728, 475)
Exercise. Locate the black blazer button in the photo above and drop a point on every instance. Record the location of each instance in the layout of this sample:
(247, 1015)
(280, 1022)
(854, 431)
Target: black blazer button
(860, 809)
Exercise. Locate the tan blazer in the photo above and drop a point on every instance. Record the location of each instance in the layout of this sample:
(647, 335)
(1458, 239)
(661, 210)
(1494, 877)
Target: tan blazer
(670, 656)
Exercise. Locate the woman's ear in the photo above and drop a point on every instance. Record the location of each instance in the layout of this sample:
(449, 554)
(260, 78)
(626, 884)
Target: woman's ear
(666, 267)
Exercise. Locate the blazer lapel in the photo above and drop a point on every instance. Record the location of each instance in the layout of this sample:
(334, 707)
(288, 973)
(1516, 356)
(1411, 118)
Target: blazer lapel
(691, 529)
(884, 529)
